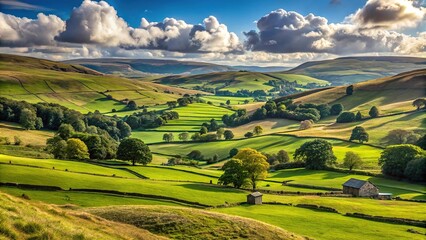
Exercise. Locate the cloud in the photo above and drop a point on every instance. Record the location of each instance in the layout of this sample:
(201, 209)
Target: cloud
(98, 22)
(15, 4)
(289, 32)
(24, 32)
(389, 14)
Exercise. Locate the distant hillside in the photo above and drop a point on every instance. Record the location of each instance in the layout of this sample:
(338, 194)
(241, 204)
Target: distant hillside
(261, 69)
(35, 80)
(143, 67)
(236, 80)
(390, 94)
(25, 219)
(349, 70)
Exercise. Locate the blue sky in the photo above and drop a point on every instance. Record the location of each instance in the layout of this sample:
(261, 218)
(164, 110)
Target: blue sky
(238, 15)
(259, 32)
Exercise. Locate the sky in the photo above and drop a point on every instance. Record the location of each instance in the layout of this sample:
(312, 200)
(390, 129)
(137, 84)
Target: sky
(234, 32)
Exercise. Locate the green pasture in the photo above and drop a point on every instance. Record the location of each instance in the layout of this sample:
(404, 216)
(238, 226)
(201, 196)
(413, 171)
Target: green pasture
(269, 144)
(323, 225)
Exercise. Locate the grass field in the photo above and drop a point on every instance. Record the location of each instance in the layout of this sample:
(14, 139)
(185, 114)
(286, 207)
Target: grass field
(217, 100)
(322, 225)
(33, 137)
(269, 144)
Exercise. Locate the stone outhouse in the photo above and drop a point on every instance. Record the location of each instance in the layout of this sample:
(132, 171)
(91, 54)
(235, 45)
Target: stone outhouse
(360, 188)
(254, 198)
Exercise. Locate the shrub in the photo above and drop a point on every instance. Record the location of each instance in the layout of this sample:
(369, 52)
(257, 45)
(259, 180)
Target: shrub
(374, 112)
(195, 154)
(336, 109)
(248, 134)
(345, 117)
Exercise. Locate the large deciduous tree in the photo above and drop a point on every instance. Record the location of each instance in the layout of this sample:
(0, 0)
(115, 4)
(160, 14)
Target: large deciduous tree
(28, 119)
(394, 159)
(228, 134)
(134, 150)
(77, 149)
(352, 160)
(359, 133)
(254, 163)
(316, 154)
(234, 173)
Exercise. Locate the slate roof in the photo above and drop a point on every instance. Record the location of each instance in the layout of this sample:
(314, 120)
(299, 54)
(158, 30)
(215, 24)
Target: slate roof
(256, 194)
(354, 183)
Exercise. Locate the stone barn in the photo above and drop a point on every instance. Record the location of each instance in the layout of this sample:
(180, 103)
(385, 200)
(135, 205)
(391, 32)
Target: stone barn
(254, 198)
(360, 188)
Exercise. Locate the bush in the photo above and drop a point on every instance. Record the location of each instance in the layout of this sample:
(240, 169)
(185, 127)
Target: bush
(374, 112)
(233, 152)
(248, 135)
(195, 154)
(336, 109)
(345, 117)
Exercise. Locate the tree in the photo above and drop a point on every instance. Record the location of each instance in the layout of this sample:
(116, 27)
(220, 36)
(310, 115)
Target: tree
(359, 133)
(345, 117)
(394, 158)
(125, 129)
(419, 102)
(220, 133)
(214, 126)
(358, 116)
(258, 130)
(28, 119)
(306, 124)
(132, 105)
(168, 137)
(317, 154)
(234, 173)
(184, 136)
(58, 147)
(248, 135)
(65, 131)
(228, 134)
(374, 112)
(254, 163)
(352, 160)
(134, 150)
(133, 121)
(203, 130)
(400, 136)
(416, 170)
(196, 136)
(282, 156)
(172, 104)
(336, 109)
(77, 149)
(228, 102)
(422, 142)
(349, 90)
(233, 152)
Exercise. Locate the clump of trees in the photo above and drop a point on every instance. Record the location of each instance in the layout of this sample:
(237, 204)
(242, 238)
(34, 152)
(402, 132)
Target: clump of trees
(150, 119)
(346, 117)
(277, 158)
(247, 166)
(316, 154)
(404, 161)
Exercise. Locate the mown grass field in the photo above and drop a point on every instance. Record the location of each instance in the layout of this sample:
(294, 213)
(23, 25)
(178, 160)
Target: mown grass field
(269, 144)
(323, 225)
(33, 137)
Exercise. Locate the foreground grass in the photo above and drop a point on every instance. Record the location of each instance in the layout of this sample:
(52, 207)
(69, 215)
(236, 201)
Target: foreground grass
(187, 223)
(323, 225)
(21, 219)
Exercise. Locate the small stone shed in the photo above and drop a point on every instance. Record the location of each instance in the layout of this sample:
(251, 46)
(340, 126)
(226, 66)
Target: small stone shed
(360, 188)
(254, 198)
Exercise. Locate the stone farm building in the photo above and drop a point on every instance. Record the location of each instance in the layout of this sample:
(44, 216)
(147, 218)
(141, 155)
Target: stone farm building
(254, 198)
(360, 188)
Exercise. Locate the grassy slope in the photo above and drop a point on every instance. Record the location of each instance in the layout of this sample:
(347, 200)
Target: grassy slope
(33, 137)
(322, 225)
(269, 144)
(186, 223)
(24, 78)
(389, 94)
(342, 71)
(234, 81)
(21, 219)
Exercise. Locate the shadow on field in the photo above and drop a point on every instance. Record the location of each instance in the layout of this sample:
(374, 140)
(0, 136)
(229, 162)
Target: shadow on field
(208, 188)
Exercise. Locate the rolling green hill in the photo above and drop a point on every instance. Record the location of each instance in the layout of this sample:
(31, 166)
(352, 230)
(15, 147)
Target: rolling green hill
(346, 70)
(35, 80)
(234, 81)
(390, 94)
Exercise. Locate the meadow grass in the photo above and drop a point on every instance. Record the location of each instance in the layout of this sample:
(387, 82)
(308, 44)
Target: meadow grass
(33, 137)
(268, 144)
(323, 225)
